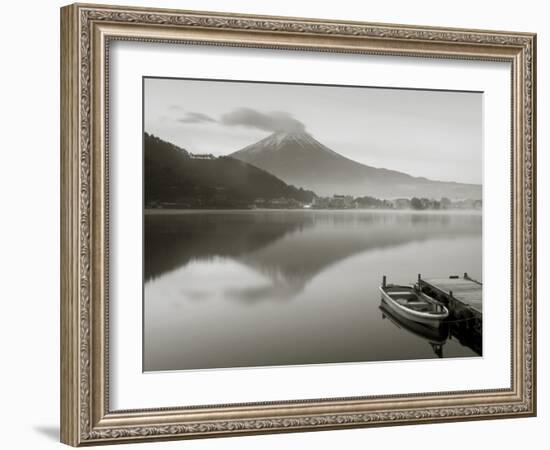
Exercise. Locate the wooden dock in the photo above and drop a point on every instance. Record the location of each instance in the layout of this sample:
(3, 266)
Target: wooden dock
(464, 290)
(463, 296)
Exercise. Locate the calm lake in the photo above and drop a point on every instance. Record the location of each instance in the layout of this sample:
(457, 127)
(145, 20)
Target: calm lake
(264, 288)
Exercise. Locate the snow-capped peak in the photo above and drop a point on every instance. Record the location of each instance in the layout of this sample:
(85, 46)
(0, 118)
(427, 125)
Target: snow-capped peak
(281, 139)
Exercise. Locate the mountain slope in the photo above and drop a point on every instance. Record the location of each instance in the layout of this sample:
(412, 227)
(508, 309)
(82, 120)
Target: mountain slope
(173, 177)
(298, 158)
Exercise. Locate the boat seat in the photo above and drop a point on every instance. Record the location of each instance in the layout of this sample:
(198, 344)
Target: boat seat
(404, 302)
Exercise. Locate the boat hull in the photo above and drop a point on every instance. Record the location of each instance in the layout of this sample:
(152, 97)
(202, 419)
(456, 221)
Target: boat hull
(433, 320)
(432, 335)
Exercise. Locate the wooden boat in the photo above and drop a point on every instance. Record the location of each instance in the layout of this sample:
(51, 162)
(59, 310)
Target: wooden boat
(414, 305)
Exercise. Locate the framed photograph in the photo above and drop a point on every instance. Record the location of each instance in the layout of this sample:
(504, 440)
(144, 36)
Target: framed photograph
(276, 224)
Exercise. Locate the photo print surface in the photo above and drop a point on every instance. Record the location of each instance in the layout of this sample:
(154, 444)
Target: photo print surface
(295, 224)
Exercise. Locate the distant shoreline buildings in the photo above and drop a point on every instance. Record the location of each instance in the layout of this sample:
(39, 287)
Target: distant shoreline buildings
(202, 156)
(414, 203)
(339, 202)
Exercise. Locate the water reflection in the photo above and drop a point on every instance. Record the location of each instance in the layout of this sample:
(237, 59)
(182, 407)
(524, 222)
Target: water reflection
(264, 288)
(173, 240)
(288, 247)
(436, 337)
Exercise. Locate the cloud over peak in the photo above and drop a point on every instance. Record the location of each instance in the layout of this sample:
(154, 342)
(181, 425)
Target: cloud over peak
(251, 118)
(195, 117)
(271, 121)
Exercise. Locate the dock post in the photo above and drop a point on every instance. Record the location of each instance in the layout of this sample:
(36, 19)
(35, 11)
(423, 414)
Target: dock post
(419, 277)
(384, 281)
(465, 275)
(450, 293)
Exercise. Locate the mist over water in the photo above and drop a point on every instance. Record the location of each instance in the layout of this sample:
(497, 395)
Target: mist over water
(264, 288)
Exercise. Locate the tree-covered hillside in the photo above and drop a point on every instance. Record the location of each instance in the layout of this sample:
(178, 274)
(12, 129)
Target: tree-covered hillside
(175, 178)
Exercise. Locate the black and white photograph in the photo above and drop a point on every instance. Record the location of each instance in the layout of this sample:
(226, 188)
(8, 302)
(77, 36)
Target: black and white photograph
(296, 224)
(275, 225)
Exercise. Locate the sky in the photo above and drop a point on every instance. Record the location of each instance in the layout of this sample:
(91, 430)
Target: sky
(434, 134)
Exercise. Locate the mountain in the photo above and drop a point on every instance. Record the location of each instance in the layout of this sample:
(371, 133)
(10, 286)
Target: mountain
(174, 177)
(298, 158)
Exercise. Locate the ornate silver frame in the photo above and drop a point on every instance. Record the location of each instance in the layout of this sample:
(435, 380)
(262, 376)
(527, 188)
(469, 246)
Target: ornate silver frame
(86, 31)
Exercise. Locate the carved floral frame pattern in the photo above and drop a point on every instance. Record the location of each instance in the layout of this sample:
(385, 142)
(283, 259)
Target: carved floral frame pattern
(85, 416)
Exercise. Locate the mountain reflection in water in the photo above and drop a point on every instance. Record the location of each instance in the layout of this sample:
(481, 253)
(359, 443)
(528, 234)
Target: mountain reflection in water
(322, 268)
